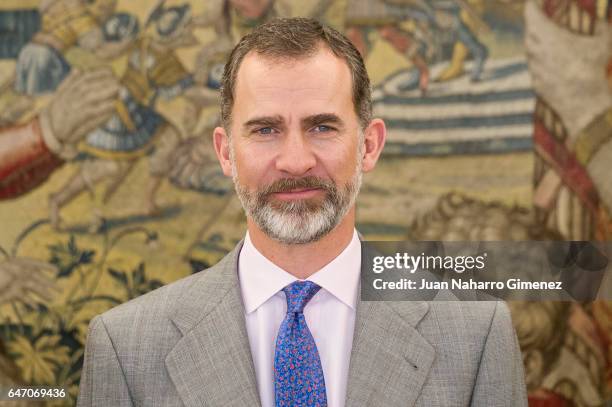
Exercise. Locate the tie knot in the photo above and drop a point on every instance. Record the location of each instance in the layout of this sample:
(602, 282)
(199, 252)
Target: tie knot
(298, 294)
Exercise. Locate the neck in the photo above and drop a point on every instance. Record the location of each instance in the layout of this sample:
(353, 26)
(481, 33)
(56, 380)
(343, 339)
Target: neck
(303, 260)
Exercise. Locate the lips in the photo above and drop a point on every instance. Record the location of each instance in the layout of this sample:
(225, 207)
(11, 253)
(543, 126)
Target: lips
(297, 190)
(298, 193)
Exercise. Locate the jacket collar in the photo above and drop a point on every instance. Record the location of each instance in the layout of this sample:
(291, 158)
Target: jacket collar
(212, 363)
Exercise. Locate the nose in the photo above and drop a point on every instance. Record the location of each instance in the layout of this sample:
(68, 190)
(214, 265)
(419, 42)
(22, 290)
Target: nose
(296, 156)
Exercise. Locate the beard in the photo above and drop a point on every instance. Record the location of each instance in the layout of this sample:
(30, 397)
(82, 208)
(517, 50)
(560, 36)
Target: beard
(299, 221)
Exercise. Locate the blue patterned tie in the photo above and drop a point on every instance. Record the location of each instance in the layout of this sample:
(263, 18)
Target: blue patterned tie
(298, 375)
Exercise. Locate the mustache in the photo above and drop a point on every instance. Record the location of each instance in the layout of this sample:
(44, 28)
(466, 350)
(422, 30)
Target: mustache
(289, 184)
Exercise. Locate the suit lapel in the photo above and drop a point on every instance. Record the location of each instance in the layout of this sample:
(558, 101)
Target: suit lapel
(211, 365)
(390, 359)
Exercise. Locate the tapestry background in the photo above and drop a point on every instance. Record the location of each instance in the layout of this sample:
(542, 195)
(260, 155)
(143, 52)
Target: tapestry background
(500, 128)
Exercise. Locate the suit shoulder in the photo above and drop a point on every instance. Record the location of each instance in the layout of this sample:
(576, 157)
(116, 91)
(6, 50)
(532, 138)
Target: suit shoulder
(155, 308)
(469, 317)
(151, 307)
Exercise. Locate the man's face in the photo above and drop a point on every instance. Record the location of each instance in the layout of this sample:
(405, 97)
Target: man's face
(295, 145)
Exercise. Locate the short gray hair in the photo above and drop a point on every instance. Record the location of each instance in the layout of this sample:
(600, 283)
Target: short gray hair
(297, 38)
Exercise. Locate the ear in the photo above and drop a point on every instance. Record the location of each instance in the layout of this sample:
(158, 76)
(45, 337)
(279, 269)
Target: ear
(374, 140)
(222, 149)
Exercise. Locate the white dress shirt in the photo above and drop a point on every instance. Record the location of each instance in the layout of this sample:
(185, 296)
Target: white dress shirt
(330, 315)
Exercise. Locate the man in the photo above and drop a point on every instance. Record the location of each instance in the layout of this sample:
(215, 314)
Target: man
(278, 321)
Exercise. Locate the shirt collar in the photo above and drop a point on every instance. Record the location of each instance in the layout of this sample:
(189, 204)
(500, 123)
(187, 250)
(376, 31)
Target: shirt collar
(260, 279)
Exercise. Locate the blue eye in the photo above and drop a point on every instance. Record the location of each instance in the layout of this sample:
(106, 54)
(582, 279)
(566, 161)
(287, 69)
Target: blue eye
(321, 128)
(265, 130)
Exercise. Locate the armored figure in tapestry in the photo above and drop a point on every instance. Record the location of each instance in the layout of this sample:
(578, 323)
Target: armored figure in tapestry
(41, 64)
(136, 129)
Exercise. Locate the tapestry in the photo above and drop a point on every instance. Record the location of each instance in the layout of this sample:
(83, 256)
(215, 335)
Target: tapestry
(499, 117)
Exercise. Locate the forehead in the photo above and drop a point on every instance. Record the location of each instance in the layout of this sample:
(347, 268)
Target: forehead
(293, 88)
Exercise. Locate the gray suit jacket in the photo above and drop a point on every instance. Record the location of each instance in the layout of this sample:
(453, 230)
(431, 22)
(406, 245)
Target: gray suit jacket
(186, 344)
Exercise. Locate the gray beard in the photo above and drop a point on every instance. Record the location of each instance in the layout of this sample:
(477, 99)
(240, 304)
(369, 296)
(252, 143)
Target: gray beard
(299, 222)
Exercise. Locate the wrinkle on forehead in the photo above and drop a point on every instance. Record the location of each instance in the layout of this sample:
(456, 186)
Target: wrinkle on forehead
(319, 82)
(264, 72)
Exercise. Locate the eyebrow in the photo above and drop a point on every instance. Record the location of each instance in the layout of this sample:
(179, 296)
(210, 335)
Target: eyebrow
(307, 122)
(327, 118)
(264, 121)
